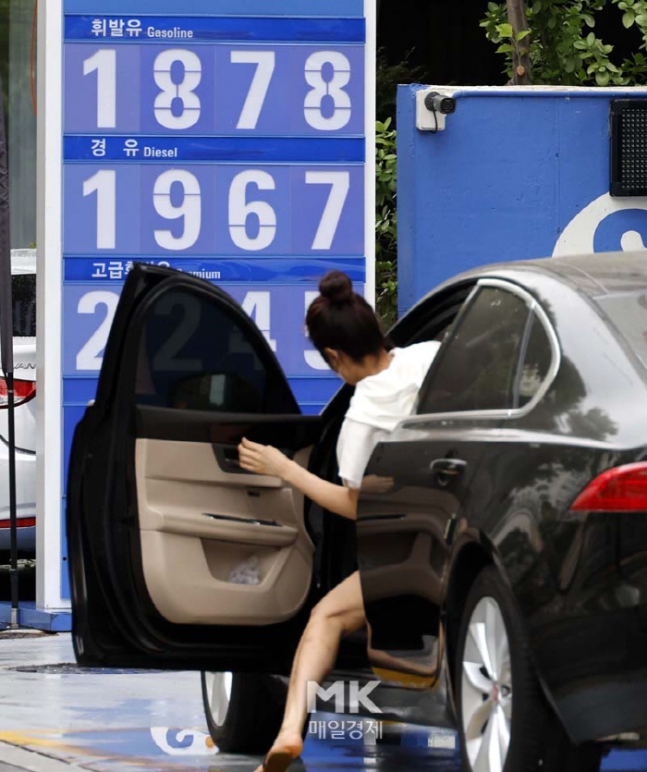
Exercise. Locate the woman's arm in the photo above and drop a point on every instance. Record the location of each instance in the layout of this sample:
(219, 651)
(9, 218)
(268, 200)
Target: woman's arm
(265, 460)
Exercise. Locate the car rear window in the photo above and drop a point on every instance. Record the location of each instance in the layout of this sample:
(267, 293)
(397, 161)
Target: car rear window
(628, 312)
(24, 305)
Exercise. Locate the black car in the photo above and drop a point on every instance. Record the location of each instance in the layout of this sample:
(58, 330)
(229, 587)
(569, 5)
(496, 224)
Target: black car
(503, 560)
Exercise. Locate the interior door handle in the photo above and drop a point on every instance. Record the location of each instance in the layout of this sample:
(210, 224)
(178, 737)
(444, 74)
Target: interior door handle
(448, 468)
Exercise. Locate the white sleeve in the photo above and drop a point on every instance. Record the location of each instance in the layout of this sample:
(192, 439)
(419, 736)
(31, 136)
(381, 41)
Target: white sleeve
(356, 444)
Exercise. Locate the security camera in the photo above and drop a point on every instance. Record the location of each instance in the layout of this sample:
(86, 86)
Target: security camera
(437, 103)
(432, 109)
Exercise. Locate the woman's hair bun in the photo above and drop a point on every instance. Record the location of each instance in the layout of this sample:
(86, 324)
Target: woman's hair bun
(337, 288)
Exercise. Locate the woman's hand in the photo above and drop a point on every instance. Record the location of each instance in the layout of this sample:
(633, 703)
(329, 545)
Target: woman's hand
(262, 459)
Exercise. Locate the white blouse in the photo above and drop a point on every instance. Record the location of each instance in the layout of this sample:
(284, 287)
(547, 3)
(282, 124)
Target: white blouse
(379, 404)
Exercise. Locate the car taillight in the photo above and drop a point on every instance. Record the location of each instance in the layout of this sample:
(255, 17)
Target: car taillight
(24, 391)
(23, 522)
(623, 489)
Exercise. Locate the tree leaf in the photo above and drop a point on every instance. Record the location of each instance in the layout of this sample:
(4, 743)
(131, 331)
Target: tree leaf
(602, 78)
(628, 19)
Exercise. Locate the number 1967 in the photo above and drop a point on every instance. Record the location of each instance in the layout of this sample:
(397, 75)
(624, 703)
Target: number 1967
(251, 224)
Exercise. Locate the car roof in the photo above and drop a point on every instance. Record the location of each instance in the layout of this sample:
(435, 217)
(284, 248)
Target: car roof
(23, 261)
(595, 275)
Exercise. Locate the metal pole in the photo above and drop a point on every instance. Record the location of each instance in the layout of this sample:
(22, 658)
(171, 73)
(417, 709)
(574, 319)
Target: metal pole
(14, 576)
(6, 353)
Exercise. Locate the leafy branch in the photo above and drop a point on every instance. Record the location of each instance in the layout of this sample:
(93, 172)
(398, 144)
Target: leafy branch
(386, 222)
(563, 46)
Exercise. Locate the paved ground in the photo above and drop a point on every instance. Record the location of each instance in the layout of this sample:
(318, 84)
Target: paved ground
(122, 722)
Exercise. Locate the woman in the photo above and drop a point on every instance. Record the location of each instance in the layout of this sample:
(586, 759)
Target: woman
(346, 331)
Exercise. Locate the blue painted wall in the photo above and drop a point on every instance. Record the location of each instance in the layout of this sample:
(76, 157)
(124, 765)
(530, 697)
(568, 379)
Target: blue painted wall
(506, 181)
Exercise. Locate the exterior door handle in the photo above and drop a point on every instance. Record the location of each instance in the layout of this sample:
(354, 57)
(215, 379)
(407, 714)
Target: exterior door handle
(447, 469)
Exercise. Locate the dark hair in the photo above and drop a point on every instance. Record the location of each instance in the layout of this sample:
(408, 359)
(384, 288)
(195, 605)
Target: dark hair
(342, 320)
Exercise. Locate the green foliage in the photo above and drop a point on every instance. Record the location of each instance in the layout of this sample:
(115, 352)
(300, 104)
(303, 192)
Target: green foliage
(386, 227)
(389, 76)
(564, 47)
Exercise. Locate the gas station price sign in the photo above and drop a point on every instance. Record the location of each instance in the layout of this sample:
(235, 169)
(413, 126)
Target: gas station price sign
(229, 138)
(233, 139)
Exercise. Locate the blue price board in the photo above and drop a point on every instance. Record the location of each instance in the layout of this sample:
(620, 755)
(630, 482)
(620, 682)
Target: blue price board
(232, 139)
(224, 138)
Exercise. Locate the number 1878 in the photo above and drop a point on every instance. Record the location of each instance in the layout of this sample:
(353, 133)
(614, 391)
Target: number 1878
(180, 78)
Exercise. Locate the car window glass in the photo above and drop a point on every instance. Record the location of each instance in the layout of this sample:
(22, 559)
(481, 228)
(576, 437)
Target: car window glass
(23, 287)
(478, 366)
(536, 363)
(194, 355)
(629, 315)
(438, 320)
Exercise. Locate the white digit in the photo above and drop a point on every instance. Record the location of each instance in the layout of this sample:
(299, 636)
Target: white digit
(190, 209)
(265, 62)
(339, 186)
(257, 306)
(184, 91)
(334, 89)
(90, 357)
(166, 359)
(104, 63)
(240, 210)
(312, 356)
(104, 184)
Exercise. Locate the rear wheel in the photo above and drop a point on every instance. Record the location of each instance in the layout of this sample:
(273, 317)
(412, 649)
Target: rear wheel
(243, 710)
(505, 721)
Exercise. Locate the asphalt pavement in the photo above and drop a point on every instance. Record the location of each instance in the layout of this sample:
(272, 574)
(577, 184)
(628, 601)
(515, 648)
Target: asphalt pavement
(54, 717)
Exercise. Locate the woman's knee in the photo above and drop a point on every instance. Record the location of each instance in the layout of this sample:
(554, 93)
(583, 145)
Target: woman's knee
(322, 614)
(345, 620)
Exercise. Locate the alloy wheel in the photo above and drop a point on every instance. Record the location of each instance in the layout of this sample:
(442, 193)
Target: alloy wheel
(487, 689)
(219, 694)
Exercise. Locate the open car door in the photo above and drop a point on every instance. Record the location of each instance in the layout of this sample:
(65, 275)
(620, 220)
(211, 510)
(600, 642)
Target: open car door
(178, 558)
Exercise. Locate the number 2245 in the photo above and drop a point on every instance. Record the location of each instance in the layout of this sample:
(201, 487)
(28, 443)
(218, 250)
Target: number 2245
(255, 303)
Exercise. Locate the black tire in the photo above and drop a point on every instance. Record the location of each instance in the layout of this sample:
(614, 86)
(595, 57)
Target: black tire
(537, 739)
(253, 717)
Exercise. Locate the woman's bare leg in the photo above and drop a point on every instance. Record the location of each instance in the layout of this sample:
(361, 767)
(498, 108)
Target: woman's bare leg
(340, 613)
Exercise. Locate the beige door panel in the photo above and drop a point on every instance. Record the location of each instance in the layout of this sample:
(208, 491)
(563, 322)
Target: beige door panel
(192, 462)
(238, 531)
(182, 575)
(413, 577)
(198, 523)
(403, 555)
